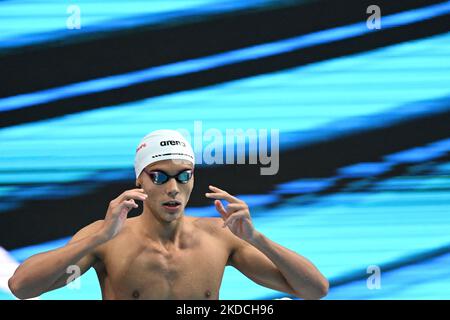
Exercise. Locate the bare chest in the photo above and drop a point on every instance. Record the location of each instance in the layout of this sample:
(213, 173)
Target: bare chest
(147, 272)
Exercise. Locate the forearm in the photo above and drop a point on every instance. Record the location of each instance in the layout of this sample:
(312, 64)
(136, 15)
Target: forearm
(38, 273)
(303, 277)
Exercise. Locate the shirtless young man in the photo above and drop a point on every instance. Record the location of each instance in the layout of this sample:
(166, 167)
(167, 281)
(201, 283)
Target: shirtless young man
(163, 254)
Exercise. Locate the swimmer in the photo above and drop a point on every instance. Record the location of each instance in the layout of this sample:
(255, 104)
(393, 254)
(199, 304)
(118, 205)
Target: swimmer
(163, 253)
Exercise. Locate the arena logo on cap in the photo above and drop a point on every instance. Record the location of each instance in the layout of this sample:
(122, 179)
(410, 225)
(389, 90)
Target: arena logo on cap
(172, 143)
(235, 146)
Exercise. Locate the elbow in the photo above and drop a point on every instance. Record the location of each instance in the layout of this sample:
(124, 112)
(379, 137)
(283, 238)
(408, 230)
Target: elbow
(18, 290)
(323, 288)
(319, 291)
(15, 288)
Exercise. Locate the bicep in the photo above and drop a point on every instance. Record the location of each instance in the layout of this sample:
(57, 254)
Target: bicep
(257, 267)
(84, 264)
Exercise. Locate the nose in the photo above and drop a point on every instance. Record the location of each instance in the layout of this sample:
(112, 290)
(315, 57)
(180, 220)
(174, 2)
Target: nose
(172, 188)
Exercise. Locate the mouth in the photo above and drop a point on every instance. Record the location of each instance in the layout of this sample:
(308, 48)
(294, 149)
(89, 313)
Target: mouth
(172, 205)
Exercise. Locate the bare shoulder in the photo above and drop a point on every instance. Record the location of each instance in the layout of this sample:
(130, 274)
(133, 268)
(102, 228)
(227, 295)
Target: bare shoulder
(88, 230)
(214, 227)
(207, 224)
(96, 226)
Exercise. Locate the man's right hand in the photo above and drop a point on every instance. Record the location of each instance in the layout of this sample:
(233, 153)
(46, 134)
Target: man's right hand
(48, 270)
(118, 211)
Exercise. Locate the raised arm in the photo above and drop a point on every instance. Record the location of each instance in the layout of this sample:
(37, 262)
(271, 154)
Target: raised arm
(48, 271)
(262, 260)
(276, 267)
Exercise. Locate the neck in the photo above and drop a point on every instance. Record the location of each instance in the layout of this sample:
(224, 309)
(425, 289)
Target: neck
(156, 229)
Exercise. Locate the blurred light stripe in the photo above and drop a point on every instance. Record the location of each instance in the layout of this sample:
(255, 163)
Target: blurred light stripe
(214, 61)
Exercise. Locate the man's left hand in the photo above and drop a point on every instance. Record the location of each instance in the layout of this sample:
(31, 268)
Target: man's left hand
(236, 215)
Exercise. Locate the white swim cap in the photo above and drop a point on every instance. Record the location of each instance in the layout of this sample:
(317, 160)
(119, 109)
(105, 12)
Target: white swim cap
(162, 145)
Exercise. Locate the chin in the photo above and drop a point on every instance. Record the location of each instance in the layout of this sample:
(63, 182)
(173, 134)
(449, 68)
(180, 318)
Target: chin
(169, 217)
